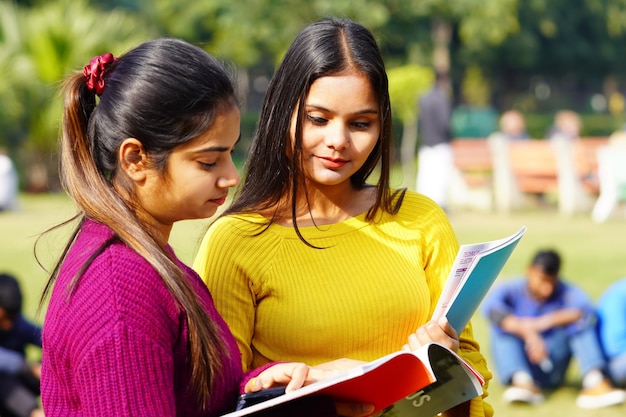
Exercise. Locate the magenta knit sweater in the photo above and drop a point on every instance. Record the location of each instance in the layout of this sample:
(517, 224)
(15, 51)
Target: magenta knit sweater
(118, 345)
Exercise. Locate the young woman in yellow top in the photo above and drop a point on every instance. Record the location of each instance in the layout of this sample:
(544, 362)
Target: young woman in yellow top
(311, 263)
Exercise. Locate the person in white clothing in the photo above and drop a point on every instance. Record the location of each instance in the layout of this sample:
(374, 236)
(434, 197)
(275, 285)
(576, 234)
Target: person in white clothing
(8, 183)
(435, 161)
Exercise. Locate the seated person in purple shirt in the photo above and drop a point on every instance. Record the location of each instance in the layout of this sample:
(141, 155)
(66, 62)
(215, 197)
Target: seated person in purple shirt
(537, 324)
(19, 380)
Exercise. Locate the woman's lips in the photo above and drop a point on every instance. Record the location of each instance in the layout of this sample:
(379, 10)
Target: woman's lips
(332, 163)
(219, 201)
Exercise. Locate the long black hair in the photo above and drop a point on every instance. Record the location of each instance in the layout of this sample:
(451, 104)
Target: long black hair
(274, 166)
(165, 93)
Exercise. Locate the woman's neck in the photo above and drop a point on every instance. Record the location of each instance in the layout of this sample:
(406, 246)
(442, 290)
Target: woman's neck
(328, 206)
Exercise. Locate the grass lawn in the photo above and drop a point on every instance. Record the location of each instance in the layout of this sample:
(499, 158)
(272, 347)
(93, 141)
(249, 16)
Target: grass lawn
(594, 256)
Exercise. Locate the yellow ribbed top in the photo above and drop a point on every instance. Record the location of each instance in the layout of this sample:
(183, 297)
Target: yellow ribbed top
(360, 297)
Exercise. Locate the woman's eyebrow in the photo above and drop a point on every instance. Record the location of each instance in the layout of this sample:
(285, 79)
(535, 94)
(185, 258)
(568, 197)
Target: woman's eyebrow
(213, 149)
(322, 108)
(217, 148)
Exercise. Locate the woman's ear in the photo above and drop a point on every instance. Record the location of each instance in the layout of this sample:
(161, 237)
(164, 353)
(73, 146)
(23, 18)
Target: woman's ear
(133, 159)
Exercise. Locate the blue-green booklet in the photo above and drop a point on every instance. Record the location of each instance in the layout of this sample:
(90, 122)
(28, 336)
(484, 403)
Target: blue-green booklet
(475, 269)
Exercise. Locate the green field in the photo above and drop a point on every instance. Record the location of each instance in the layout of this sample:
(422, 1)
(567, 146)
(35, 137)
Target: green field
(594, 256)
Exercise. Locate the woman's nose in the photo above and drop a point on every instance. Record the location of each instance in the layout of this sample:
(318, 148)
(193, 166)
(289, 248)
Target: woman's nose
(338, 136)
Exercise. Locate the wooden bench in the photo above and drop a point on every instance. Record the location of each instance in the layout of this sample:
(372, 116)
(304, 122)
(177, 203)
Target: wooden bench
(472, 183)
(472, 158)
(534, 166)
(518, 168)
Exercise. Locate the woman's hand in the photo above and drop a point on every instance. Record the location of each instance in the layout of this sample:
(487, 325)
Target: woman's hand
(295, 375)
(292, 374)
(331, 368)
(434, 331)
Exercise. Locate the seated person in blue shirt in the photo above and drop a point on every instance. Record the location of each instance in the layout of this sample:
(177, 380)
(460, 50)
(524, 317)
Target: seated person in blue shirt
(611, 312)
(19, 380)
(537, 324)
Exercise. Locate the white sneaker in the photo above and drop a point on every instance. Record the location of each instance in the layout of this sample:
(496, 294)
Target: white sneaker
(601, 395)
(523, 394)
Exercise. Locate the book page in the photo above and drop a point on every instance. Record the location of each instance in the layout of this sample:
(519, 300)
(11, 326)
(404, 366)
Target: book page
(477, 266)
(387, 380)
(463, 261)
(380, 382)
(456, 383)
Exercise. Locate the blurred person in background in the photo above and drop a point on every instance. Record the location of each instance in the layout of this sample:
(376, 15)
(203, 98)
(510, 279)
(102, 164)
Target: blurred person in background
(435, 159)
(611, 310)
(538, 322)
(567, 123)
(8, 183)
(19, 379)
(513, 125)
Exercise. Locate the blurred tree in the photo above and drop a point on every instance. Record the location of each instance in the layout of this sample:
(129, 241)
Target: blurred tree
(461, 19)
(253, 34)
(562, 54)
(249, 32)
(11, 107)
(40, 45)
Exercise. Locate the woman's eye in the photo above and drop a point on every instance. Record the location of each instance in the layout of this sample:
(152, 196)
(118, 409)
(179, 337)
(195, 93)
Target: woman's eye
(361, 125)
(207, 166)
(316, 120)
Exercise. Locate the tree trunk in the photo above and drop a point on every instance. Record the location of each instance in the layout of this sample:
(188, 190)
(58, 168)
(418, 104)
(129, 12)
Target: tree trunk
(441, 34)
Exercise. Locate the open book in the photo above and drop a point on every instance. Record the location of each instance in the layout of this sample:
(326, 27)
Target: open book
(425, 382)
(432, 379)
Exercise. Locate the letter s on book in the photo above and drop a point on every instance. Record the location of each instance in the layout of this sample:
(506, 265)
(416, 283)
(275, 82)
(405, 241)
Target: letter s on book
(418, 399)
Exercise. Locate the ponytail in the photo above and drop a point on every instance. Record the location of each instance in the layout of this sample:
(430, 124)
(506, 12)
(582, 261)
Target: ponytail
(87, 180)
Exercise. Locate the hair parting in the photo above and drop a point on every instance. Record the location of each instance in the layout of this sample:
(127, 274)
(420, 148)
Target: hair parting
(272, 173)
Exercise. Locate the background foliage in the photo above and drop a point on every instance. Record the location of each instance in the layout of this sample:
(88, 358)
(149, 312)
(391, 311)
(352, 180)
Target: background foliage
(532, 55)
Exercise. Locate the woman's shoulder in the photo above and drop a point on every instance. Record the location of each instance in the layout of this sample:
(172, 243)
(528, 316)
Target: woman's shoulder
(121, 286)
(414, 200)
(236, 226)
(416, 207)
(239, 220)
(121, 260)
(114, 267)
(420, 218)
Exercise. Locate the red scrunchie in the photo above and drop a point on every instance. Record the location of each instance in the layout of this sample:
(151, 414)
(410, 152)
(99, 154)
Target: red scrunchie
(94, 72)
